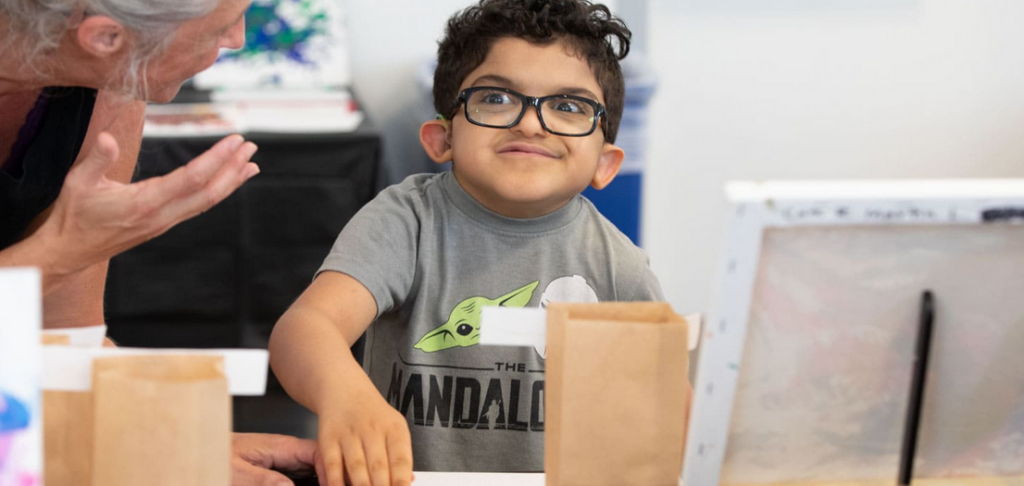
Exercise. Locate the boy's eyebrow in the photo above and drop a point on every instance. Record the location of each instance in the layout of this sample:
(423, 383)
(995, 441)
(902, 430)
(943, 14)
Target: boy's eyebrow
(504, 82)
(578, 92)
(501, 81)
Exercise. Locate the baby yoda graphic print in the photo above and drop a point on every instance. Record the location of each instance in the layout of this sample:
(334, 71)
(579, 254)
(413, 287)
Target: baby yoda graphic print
(463, 326)
(566, 289)
(478, 389)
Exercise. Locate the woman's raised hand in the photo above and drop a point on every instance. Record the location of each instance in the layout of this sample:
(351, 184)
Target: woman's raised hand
(95, 218)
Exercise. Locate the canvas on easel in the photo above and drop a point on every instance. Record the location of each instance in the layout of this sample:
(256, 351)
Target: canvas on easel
(288, 45)
(808, 354)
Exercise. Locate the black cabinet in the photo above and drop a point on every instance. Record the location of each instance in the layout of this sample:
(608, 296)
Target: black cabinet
(222, 279)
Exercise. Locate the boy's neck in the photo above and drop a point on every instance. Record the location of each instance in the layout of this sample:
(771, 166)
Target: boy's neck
(513, 209)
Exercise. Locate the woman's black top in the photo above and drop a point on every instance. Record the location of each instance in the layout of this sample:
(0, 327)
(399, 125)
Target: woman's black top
(47, 145)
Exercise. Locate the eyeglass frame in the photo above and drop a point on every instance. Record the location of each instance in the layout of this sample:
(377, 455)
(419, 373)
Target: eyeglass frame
(527, 101)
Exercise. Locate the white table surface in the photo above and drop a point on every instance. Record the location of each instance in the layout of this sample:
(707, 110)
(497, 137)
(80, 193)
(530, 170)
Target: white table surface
(478, 479)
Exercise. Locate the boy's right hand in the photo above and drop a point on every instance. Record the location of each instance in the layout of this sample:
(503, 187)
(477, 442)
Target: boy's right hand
(363, 441)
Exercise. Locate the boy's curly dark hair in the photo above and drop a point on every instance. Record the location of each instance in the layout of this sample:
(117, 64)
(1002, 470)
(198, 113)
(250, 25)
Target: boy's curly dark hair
(589, 30)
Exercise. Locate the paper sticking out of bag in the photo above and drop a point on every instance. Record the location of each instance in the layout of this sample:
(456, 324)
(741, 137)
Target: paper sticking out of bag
(70, 369)
(79, 337)
(616, 388)
(523, 326)
(514, 326)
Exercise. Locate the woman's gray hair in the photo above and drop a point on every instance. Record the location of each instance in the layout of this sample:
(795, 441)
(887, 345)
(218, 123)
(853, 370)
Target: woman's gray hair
(39, 26)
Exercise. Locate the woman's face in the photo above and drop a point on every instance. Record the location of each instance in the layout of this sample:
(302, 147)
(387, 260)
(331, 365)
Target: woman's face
(195, 47)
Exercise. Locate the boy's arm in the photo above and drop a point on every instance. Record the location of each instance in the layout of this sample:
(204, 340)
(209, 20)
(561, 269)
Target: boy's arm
(360, 434)
(309, 347)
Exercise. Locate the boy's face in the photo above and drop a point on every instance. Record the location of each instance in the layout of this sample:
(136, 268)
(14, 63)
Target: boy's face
(526, 171)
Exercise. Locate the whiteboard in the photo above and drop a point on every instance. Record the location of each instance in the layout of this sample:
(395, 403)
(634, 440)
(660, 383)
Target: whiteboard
(806, 362)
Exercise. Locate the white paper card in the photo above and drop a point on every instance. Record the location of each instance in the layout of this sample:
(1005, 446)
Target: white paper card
(21, 442)
(70, 369)
(694, 322)
(517, 326)
(514, 326)
(81, 337)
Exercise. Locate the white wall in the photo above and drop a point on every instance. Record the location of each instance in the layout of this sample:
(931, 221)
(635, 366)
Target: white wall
(390, 39)
(804, 89)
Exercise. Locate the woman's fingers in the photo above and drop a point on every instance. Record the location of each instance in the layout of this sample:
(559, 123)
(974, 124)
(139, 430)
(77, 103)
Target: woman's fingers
(95, 165)
(246, 474)
(216, 190)
(193, 176)
(202, 183)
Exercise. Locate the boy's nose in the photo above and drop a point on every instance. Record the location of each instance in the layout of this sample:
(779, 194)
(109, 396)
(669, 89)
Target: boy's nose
(529, 125)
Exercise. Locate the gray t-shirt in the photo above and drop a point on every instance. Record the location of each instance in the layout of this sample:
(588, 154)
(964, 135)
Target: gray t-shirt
(433, 257)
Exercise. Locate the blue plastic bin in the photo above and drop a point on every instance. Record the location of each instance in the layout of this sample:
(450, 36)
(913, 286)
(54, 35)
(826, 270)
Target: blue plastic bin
(621, 201)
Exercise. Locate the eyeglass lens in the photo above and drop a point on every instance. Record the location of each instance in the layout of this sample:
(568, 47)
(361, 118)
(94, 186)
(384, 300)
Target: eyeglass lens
(560, 115)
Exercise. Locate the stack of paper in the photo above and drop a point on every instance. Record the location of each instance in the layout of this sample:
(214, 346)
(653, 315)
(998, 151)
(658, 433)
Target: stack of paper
(284, 111)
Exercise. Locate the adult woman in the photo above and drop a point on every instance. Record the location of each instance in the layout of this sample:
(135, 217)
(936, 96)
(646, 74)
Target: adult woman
(67, 154)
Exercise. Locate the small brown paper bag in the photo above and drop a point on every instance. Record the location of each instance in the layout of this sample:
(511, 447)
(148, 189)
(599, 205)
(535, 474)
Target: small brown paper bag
(161, 421)
(616, 394)
(157, 420)
(67, 438)
(67, 431)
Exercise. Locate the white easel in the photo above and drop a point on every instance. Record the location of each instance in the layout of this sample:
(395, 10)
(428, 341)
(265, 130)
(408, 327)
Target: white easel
(765, 206)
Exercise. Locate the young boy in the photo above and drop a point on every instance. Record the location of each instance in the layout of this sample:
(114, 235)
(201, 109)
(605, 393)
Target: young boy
(529, 95)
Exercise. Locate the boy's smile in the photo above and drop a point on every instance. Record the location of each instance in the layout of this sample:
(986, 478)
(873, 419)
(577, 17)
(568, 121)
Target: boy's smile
(525, 171)
(526, 149)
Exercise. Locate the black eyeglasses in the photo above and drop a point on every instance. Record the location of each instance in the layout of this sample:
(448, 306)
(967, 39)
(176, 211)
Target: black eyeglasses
(564, 115)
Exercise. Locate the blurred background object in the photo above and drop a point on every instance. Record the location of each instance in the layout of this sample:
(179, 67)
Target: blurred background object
(289, 44)
(808, 89)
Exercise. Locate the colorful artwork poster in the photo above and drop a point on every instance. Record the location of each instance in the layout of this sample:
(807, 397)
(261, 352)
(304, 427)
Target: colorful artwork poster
(288, 44)
(21, 449)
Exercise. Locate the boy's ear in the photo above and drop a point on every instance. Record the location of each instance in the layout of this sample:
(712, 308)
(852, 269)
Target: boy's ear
(101, 36)
(435, 141)
(608, 166)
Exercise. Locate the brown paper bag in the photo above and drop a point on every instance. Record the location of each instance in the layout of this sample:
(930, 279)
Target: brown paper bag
(161, 421)
(67, 438)
(67, 431)
(56, 340)
(616, 394)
